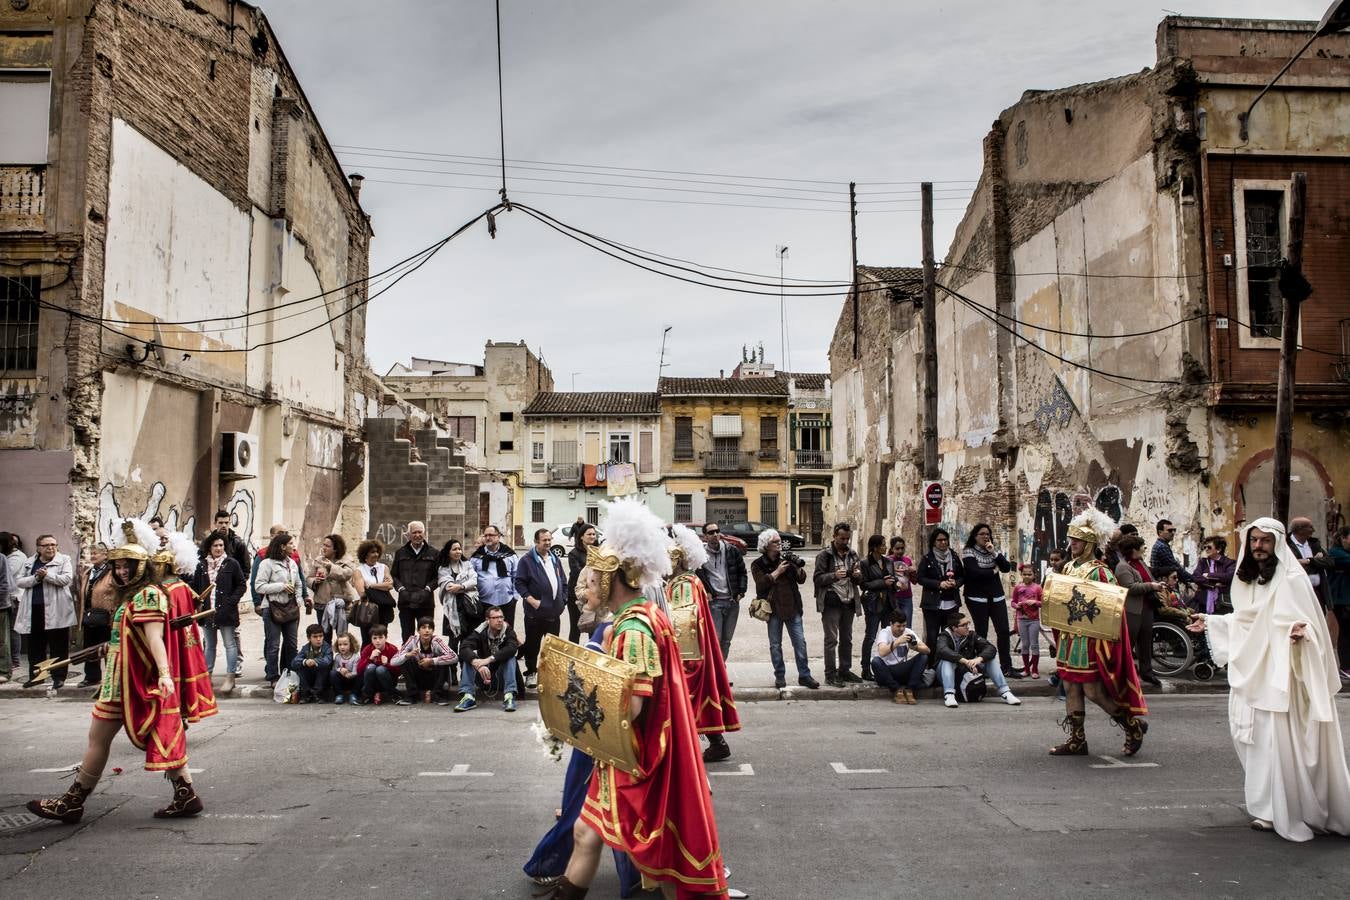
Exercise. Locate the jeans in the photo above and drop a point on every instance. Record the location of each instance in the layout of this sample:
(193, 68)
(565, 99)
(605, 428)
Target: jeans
(343, 684)
(837, 620)
(798, 637)
(378, 680)
(981, 613)
(947, 671)
(535, 629)
(504, 676)
(724, 616)
(93, 636)
(906, 606)
(279, 645)
(6, 663)
(229, 637)
(313, 679)
(907, 674)
(15, 639)
(871, 625)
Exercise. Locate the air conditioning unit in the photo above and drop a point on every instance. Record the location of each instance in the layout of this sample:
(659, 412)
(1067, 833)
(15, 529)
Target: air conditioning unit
(238, 455)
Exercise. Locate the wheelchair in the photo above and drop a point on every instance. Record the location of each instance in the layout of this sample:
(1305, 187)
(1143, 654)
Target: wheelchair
(1175, 650)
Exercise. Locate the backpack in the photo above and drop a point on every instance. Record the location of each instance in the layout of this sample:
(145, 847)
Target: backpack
(973, 687)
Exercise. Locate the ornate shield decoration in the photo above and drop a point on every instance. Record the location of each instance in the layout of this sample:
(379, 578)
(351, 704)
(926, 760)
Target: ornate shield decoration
(684, 619)
(584, 698)
(1078, 606)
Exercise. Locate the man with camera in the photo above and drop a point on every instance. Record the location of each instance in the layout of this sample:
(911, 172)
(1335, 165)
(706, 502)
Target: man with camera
(899, 658)
(777, 579)
(723, 575)
(837, 576)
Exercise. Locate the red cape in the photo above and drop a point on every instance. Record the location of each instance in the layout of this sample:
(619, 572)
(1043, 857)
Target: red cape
(709, 687)
(196, 696)
(662, 817)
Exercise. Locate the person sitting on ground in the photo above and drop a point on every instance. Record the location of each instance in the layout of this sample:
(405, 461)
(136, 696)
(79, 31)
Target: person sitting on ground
(312, 663)
(425, 658)
(346, 660)
(1027, 598)
(899, 658)
(376, 668)
(959, 647)
(489, 654)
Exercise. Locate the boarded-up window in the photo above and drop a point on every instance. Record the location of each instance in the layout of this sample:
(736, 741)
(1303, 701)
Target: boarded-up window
(462, 427)
(684, 437)
(768, 433)
(645, 452)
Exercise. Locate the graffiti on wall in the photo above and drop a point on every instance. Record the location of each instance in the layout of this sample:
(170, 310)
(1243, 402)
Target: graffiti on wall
(1053, 513)
(240, 506)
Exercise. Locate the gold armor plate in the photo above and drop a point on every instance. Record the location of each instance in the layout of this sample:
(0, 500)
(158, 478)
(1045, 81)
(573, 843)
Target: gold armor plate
(584, 700)
(684, 619)
(1088, 608)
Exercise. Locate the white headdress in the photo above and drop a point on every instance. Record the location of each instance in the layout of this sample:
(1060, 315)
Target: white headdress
(638, 539)
(185, 552)
(1092, 525)
(693, 554)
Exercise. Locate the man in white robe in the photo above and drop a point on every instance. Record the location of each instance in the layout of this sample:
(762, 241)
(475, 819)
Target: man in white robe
(1283, 682)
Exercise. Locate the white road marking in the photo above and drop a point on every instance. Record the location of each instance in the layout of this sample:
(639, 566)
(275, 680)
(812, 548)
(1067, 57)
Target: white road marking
(1113, 763)
(841, 769)
(460, 770)
(240, 816)
(742, 769)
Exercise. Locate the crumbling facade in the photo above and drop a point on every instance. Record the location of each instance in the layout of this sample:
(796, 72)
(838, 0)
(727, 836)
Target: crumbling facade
(182, 266)
(1107, 326)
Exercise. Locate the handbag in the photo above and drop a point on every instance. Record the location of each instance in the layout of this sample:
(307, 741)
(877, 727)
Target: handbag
(380, 597)
(761, 608)
(96, 618)
(284, 612)
(363, 613)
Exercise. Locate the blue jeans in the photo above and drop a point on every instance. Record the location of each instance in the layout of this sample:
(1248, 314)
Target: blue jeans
(378, 680)
(504, 675)
(798, 637)
(724, 616)
(229, 638)
(276, 638)
(947, 672)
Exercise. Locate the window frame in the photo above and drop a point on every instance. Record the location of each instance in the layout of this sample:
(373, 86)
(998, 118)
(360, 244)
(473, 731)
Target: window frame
(680, 451)
(627, 437)
(537, 511)
(1246, 340)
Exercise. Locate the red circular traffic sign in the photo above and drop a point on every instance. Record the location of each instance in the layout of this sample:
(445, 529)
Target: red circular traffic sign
(932, 495)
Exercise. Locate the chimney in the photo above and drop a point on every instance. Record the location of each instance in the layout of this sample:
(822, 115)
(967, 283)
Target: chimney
(721, 373)
(356, 179)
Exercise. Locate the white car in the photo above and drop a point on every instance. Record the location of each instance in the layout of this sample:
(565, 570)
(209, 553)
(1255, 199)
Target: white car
(562, 539)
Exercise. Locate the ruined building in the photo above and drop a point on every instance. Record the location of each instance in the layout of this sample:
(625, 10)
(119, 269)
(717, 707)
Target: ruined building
(159, 166)
(1115, 340)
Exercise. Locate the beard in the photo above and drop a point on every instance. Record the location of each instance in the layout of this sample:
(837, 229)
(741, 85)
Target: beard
(1259, 570)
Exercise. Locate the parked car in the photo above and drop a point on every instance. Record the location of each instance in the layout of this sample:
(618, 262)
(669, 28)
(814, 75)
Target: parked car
(562, 539)
(729, 538)
(748, 533)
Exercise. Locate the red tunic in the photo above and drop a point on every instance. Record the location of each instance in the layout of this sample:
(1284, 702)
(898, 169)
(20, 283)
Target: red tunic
(196, 696)
(1083, 659)
(709, 687)
(661, 817)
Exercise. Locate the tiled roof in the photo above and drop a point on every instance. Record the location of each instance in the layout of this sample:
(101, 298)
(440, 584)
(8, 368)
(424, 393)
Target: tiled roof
(905, 279)
(762, 386)
(595, 403)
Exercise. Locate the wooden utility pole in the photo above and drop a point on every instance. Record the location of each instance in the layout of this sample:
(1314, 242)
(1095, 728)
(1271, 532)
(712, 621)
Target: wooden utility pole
(853, 234)
(1284, 397)
(930, 361)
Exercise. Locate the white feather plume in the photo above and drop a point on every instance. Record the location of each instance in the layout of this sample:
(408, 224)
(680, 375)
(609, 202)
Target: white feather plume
(635, 533)
(695, 553)
(145, 535)
(1099, 522)
(185, 552)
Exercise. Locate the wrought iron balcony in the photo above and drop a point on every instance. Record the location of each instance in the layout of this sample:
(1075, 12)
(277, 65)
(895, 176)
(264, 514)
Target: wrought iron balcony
(22, 198)
(728, 461)
(814, 459)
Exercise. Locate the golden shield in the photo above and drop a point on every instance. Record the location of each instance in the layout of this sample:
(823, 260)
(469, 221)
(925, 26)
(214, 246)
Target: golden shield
(1088, 608)
(684, 619)
(584, 699)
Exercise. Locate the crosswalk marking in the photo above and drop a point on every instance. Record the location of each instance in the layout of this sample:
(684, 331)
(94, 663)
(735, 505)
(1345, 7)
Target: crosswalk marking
(841, 769)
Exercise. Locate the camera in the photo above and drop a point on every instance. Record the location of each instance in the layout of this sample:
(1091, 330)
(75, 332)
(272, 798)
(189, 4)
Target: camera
(789, 556)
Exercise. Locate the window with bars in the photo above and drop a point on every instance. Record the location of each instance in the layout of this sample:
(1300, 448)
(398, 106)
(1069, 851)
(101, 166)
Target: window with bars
(684, 507)
(684, 437)
(593, 515)
(537, 511)
(768, 509)
(1263, 215)
(19, 323)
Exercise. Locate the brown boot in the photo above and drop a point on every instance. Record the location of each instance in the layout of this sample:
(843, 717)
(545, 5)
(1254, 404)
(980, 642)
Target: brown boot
(67, 809)
(910, 698)
(1135, 728)
(566, 890)
(185, 802)
(900, 696)
(1076, 745)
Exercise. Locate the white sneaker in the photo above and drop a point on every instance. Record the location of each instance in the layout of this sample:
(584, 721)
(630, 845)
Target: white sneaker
(1011, 699)
(949, 701)
(51, 693)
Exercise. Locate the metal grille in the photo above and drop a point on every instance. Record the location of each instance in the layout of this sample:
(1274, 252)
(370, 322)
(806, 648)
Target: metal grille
(768, 509)
(19, 323)
(684, 507)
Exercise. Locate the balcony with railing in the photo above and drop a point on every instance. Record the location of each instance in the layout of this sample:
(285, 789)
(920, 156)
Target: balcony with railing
(564, 474)
(814, 459)
(23, 201)
(728, 461)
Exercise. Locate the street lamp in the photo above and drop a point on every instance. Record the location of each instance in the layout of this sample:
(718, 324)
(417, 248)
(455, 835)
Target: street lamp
(1337, 18)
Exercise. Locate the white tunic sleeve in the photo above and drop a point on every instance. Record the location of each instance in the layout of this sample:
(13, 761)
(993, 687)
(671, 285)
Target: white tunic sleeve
(1218, 631)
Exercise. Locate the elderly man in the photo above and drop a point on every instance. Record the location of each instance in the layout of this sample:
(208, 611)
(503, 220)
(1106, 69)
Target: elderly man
(542, 583)
(1282, 700)
(779, 582)
(725, 580)
(414, 572)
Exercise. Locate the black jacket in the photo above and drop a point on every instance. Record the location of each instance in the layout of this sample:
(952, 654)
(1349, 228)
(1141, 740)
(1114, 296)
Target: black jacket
(736, 577)
(237, 550)
(415, 577)
(576, 561)
(784, 594)
(982, 583)
(972, 645)
(931, 575)
(1323, 567)
(230, 584)
(475, 646)
(877, 597)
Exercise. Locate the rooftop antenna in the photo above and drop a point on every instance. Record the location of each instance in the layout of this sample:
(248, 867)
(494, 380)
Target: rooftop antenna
(782, 253)
(662, 366)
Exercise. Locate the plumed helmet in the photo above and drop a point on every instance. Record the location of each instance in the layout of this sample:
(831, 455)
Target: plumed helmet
(132, 544)
(688, 553)
(1092, 526)
(636, 548)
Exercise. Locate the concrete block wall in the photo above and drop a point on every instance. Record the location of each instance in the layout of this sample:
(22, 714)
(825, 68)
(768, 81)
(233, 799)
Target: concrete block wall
(445, 487)
(398, 486)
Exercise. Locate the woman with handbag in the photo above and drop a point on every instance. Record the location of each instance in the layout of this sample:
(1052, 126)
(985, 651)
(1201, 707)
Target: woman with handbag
(332, 586)
(219, 583)
(459, 590)
(98, 602)
(373, 583)
(278, 585)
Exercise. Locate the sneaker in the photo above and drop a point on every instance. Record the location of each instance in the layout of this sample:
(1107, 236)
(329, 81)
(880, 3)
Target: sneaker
(405, 701)
(509, 702)
(834, 681)
(1012, 673)
(51, 693)
(531, 681)
(466, 703)
(949, 701)
(1011, 699)
(339, 699)
(353, 700)
(807, 681)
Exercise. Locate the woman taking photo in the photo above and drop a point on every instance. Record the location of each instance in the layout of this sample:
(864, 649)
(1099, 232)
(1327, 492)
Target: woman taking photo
(985, 599)
(332, 586)
(878, 587)
(460, 609)
(583, 536)
(373, 582)
(219, 582)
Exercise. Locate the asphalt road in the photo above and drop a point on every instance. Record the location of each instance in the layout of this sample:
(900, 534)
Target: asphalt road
(858, 799)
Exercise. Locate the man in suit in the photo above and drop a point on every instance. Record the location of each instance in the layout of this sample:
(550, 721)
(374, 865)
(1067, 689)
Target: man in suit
(541, 581)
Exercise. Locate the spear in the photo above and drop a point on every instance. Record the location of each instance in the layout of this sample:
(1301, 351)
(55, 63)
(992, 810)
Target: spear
(44, 668)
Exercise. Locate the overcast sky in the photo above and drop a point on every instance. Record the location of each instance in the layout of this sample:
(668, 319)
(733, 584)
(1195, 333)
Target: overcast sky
(753, 93)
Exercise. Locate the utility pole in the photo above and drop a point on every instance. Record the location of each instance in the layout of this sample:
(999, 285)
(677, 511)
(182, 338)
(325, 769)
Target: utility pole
(781, 253)
(853, 234)
(930, 361)
(1294, 290)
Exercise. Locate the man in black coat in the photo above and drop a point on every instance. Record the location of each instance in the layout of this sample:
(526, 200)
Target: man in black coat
(724, 577)
(235, 547)
(414, 574)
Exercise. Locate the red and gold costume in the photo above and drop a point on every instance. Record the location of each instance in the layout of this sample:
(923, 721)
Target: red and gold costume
(130, 690)
(709, 687)
(187, 660)
(1081, 659)
(661, 817)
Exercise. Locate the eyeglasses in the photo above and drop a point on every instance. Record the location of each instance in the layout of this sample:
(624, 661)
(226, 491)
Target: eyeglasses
(714, 531)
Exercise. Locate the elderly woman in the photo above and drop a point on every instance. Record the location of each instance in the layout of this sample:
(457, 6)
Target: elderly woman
(1141, 601)
(332, 586)
(46, 607)
(778, 581)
